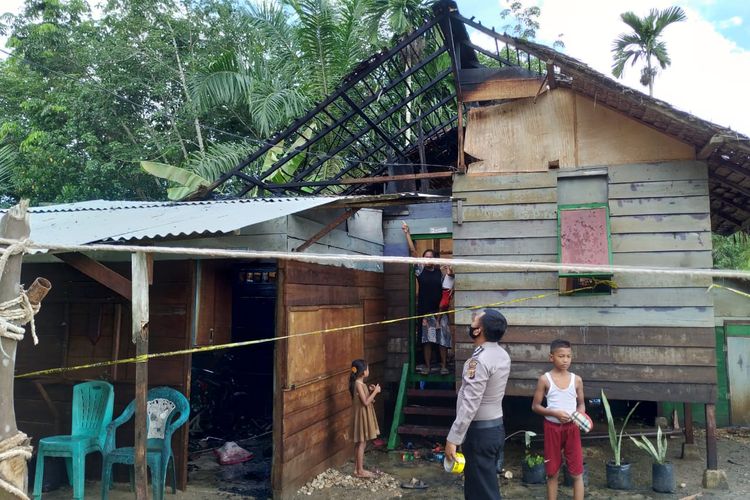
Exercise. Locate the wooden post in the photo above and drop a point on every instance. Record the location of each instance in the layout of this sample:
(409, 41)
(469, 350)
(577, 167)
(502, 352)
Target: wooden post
(13, 225)
(460, 137)
(688, 412)
(712, 460)
(139, 261)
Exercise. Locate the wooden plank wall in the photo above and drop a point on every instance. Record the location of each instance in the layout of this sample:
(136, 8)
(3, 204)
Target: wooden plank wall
(361, 234)
(562, 127)
(71, 315)
(312, 419)
(651, 340)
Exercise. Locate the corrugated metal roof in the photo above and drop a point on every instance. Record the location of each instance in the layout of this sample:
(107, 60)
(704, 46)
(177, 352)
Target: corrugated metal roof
(100, 220)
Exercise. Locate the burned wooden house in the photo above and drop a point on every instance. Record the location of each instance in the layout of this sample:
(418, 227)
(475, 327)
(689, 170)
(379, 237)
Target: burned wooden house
(547, 161)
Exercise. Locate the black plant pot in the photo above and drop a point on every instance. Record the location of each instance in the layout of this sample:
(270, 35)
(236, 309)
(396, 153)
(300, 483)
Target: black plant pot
(618, 476)
(533, 475)
(568, 479)
(662, 477)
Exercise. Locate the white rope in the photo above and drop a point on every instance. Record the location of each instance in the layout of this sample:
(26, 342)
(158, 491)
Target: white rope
(17, 311)
(13, 447)
(340, 258)
(15, 247)
(20, 311)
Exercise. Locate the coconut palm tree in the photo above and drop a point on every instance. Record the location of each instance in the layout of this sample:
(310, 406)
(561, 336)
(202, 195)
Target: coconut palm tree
(296, 54)
(644, 42)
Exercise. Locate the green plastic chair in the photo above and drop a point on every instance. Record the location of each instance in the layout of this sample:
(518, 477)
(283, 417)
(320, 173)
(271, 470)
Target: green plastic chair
(167, 410)
(92, 412)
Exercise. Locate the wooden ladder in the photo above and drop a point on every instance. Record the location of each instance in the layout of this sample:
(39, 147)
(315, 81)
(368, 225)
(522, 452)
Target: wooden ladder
(421, 412)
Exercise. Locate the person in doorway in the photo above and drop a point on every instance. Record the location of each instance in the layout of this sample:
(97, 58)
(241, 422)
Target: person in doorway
(479, 409)
(564, 393)
(364, 421)
(435, 330)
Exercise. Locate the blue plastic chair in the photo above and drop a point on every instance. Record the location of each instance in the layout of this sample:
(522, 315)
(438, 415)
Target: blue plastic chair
(167, 410)
(92, 412)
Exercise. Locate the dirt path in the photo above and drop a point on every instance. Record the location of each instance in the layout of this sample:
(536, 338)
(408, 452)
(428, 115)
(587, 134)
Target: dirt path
(734, 458)
(208, 480)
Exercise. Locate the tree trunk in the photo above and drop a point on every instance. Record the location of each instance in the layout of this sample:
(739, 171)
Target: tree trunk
(13, 225)
(650, 78)
(183, 81)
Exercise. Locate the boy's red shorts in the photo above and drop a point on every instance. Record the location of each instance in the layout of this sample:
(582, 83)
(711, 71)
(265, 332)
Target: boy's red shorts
(559, 438)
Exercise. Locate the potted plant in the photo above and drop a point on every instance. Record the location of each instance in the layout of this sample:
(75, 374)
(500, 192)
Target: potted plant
(662, 472)
(532, 466)
(618, 471)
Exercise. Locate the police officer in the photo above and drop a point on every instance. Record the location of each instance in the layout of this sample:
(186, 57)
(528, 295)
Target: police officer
(479, 411)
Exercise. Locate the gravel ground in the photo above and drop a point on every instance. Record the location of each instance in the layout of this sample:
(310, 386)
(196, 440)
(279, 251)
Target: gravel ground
(209, 480)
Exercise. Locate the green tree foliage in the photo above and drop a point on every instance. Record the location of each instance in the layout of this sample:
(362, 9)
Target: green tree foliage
(84, 99)
(190, 83)
(732, 252)
(523, 22)
(644, 43)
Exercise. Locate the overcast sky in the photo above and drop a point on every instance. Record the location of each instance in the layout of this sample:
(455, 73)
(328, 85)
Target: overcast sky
(710, 51)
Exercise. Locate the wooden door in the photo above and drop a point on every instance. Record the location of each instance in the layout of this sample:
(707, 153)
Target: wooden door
(738, 371)
(214, 325)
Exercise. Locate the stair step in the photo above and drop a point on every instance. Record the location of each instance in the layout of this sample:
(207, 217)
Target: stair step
(423, 430)
(438, 411)
(431, 393)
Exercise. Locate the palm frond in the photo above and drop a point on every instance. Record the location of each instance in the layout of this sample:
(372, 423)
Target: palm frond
(351, 31)
(317, 35)
(218, 158)
(622, 58)
(634, 21)
(271, 23)
(8, 159)
(660, 53)
(626, 40)
(224, 82)
(668, 16)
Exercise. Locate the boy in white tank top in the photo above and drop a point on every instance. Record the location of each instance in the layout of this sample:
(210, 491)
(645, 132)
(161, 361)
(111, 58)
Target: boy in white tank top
(564, 393)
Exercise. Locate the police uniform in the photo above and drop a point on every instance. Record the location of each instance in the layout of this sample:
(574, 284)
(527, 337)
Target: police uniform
(479, 419)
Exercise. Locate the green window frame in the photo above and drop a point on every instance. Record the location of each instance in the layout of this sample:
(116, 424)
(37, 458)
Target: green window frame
(573, 278)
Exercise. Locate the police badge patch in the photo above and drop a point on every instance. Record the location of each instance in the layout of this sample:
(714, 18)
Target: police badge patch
(472, 368)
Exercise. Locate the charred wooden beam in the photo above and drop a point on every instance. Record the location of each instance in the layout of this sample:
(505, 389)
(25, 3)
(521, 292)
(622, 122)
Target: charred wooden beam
(400, 131)
(393, 109)
(727, 201)
(727, 218)
(369, 180)
(728, 183)
(711, 146)
(492, 55)
(551, 75)
(373, 126)
(381, 169)
(350, 82)
(389, 178)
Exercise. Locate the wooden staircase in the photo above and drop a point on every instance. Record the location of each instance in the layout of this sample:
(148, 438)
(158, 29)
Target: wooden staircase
(421, 412)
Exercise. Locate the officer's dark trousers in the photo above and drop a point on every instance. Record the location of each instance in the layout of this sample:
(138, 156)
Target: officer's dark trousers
(482, 448)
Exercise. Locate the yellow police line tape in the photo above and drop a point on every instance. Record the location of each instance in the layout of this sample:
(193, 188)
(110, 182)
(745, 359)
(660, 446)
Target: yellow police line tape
(145, 357)
(727, 288)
